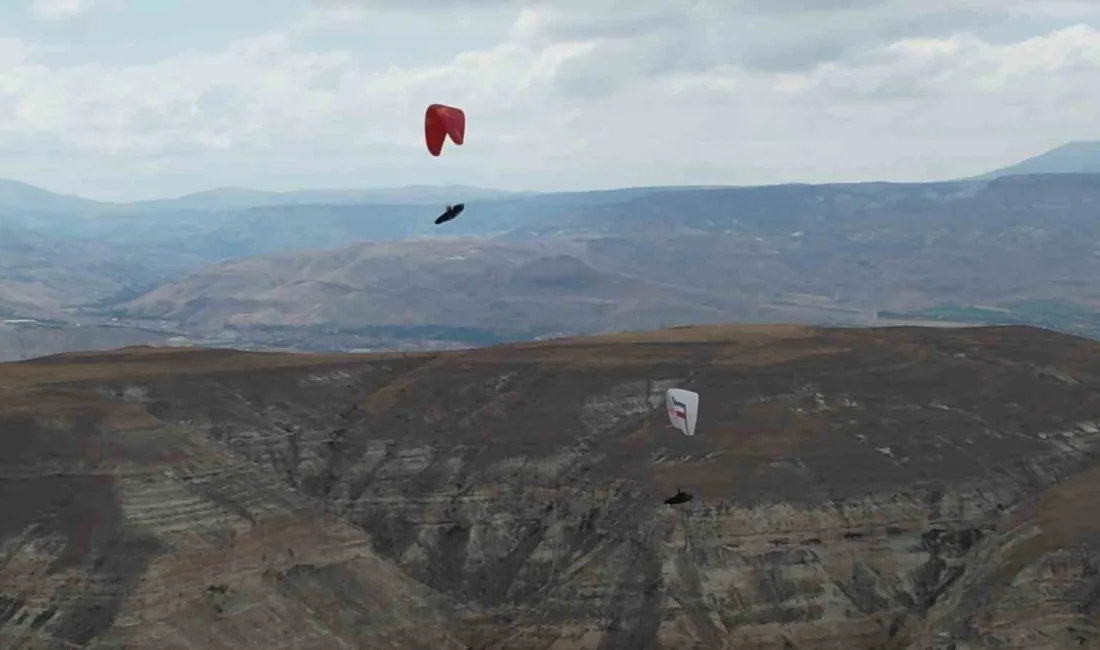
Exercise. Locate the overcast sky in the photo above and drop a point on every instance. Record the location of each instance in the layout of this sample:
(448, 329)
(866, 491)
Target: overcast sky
(120, 99)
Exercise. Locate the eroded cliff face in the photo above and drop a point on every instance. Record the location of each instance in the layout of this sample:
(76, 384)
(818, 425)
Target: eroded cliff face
(120, 530)
(853, 489)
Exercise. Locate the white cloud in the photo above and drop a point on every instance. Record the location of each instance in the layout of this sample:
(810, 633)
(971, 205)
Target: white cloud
(577, 94)
(61, 9)
(416, 6)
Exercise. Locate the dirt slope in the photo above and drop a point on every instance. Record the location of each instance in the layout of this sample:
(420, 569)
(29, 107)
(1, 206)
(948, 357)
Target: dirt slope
(463, 283)
(898, 488)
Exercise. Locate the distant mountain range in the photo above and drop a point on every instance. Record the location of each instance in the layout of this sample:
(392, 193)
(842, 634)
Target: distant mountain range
(1071, 158)
(1074, 157)
(836, 254)
(296, 269)
(15, 195)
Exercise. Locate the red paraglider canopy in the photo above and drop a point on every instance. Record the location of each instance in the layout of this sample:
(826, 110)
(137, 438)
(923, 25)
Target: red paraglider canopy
(443, 121)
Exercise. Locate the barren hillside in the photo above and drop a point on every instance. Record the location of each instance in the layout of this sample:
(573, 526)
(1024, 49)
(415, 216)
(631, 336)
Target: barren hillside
(893, 488)
(1012, 250)
(464, 283)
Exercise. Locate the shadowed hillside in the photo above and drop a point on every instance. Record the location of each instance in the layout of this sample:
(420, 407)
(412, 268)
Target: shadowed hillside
(1018, 249)
(357, 273)
(465, 283)
(888, 488)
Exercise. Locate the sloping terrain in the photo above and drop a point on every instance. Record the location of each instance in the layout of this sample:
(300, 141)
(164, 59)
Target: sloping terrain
(1081, 157)
(52, 277)
(121, 530)
(235, 198)
(1072, 157)
(1018, 249)
(889, 488)
(832, 254)
(18, 196)
(463, 283)
(871, 247)
(20, 341)
(229, 223)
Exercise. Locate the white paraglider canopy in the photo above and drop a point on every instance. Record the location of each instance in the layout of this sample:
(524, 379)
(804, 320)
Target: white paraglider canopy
(683, 409)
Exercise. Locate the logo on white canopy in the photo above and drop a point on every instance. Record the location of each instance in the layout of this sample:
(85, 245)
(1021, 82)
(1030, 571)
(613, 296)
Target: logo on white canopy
(683, 409)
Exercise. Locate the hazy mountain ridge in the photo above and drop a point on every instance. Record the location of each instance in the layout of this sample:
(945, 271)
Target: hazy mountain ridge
(1082, 157)
(828, 254)
(456, 283)
(56, 275)
(825, 254)
(1072, 157)
(224, 234)
(19, 196)
(238, 198)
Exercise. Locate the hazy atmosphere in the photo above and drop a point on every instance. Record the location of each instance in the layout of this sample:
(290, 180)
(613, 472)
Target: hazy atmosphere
(119, 100)
(712, 324)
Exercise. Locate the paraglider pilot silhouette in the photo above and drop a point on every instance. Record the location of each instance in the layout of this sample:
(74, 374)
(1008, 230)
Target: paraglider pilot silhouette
(452, 212)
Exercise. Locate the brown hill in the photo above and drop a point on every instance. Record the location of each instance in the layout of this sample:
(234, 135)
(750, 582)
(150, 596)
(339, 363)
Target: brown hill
(1013, 250)
(890, 488)
(540, 288)
(25, 340)
(53, 277)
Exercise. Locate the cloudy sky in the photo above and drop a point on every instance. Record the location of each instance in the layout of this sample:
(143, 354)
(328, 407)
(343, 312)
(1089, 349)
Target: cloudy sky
(120, 99)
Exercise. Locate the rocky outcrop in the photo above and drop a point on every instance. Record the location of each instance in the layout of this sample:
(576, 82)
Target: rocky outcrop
(120, 530)
(897, 488)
